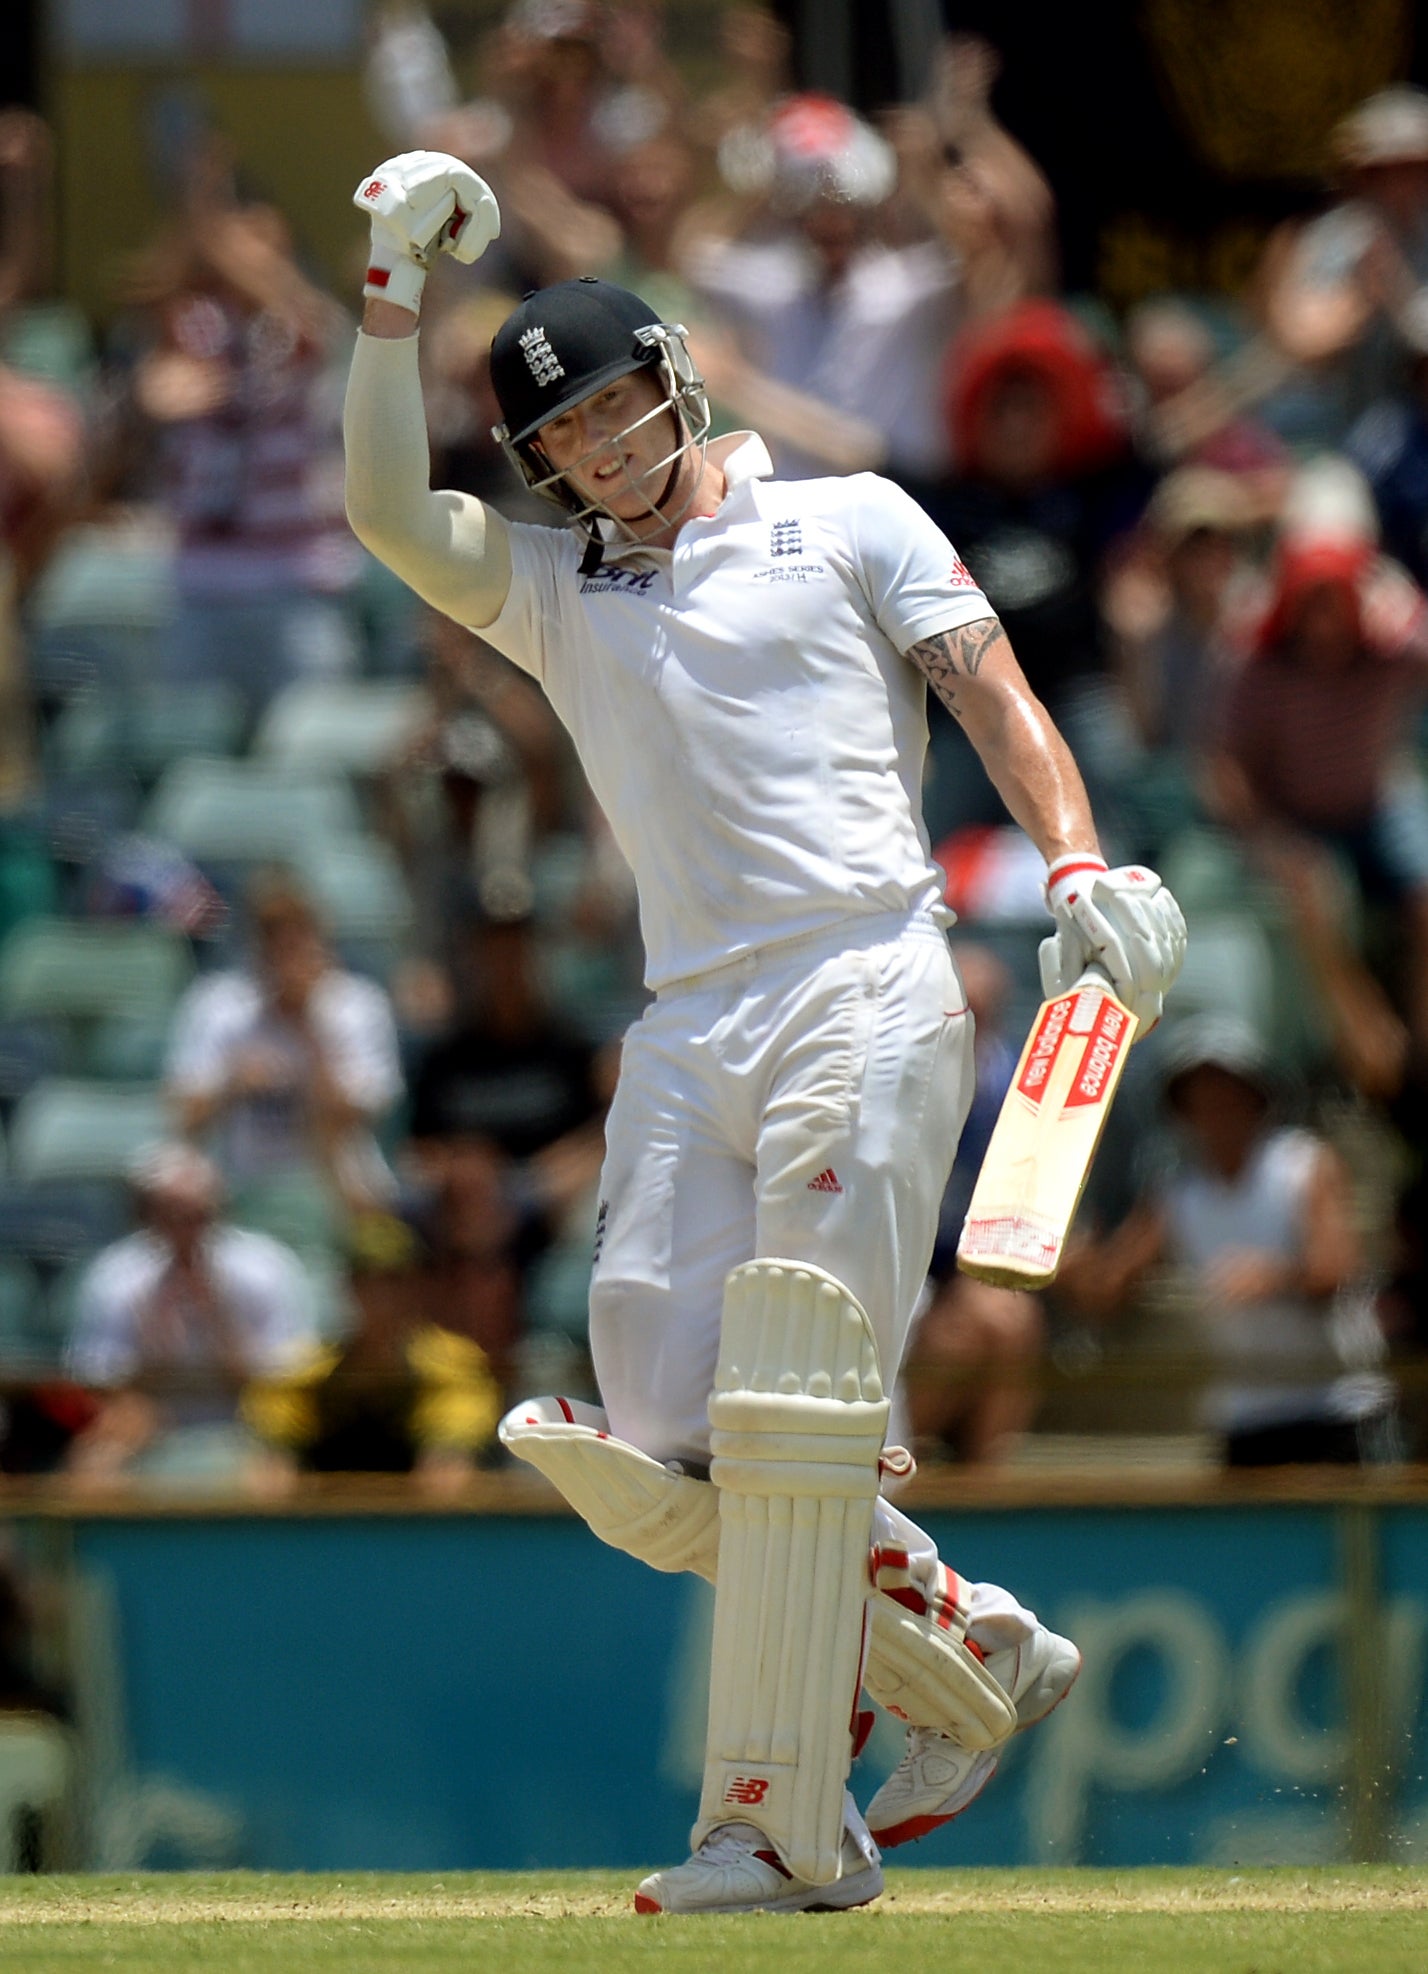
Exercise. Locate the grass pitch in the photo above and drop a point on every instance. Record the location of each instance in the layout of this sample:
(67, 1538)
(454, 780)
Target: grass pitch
(1325, 1920)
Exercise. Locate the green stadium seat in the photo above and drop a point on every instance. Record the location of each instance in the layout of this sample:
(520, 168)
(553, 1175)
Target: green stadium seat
(106, 574)
(67, 1129)
(244, 812)
(55, 969)
(142, 732)
(359, 883)
(98, 609)
(22, 1324)
(72, 969)
(354, 727)
(1229, 970)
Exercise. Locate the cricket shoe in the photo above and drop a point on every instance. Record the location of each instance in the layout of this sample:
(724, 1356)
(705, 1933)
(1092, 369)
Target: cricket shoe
(737, 1869)
(937, 1779)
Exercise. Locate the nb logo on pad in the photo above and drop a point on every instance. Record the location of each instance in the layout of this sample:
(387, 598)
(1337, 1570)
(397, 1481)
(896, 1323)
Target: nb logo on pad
(747, 1790)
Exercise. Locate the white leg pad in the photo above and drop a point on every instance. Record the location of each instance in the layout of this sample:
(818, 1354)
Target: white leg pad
(797, 1421)
(918, 1664)
(669, 1521)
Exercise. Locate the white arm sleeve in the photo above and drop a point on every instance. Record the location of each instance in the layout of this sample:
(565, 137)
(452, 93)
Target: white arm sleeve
(449, 548)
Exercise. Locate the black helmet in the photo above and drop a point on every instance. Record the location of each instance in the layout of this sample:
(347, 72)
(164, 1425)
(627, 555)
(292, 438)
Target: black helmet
(564, 343)
(561, 345)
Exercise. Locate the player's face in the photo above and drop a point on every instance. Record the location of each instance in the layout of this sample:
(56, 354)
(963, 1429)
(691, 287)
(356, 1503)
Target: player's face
(612, 451)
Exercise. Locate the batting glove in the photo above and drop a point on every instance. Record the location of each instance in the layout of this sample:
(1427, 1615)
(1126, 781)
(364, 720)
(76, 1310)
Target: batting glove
(1123, 921)
(421, 204)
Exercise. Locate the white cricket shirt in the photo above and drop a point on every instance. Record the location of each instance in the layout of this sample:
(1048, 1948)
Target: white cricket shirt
(741, 704)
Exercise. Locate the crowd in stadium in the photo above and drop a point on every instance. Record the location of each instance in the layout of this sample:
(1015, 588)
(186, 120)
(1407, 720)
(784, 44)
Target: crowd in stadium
(315, 954)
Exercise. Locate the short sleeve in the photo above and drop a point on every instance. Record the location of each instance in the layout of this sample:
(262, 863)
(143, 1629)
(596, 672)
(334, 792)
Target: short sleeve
(281, 1324)
(525, 630)
(202, 1036)
(914, 578)
(103, 1348)
(360, 1032)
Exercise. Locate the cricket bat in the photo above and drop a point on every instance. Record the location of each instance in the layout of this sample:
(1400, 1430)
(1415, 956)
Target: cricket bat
(1045, 1137)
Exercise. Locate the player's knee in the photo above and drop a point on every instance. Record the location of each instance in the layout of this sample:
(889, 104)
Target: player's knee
(657, 1397)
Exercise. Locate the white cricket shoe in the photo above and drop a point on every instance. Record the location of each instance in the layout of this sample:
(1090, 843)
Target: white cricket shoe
(737, 1869)
(936, 1778)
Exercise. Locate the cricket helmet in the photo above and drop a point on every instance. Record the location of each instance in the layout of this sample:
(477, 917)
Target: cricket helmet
(564, 343)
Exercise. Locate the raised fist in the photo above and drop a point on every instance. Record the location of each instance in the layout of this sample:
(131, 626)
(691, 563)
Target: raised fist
(422, 203)
(1124, 921)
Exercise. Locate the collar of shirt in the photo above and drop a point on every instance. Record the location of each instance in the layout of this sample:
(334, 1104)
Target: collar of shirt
(740, 456)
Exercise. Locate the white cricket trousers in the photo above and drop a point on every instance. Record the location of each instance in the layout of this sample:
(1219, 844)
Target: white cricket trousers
(803, 1102)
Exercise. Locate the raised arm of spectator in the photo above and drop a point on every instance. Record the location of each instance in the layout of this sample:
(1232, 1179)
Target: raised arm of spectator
(1316, 304)
(976, 187)
(784, 414)
(569, 235)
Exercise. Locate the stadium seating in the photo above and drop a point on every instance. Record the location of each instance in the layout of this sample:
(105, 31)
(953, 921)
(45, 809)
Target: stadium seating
(353, 726)
(230, 814)
(66, 1128)
(60, 969)
(142, 732)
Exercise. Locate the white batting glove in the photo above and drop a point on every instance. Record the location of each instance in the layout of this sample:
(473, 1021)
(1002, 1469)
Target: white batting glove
(422, 203)
(1124, 921)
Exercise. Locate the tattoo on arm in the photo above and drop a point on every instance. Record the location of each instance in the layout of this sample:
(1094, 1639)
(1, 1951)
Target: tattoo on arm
(955, 654)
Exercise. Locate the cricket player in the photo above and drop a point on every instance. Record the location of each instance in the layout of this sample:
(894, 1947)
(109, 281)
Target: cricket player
(743, 666)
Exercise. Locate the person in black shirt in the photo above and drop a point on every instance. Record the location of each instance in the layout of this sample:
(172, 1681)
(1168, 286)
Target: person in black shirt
(506, 1129)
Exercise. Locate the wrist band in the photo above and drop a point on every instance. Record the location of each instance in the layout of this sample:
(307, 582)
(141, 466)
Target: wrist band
(401, 283)
(1066, 877)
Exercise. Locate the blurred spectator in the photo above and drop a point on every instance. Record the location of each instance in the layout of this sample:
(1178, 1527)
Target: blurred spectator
(288, 1061)
(822, 307)
(1389, 444)
(403, 1395)
(754, 46)
(1045, 486)
(583, 81)
(1258, 1217)
(43, 452)
(408, 77)
(973, 184)
(171, 1323)
(506, 1129)
(569, 85)
(1169, 605)
(477, 785)
(229, 391)
(1346, 295)
(1311, 761)
(970, 1383)
(1191, 408)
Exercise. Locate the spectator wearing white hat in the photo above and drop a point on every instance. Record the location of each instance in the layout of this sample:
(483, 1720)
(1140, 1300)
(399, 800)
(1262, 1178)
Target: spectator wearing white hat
(834, 295)
(1348, 296)
(174, 1319)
